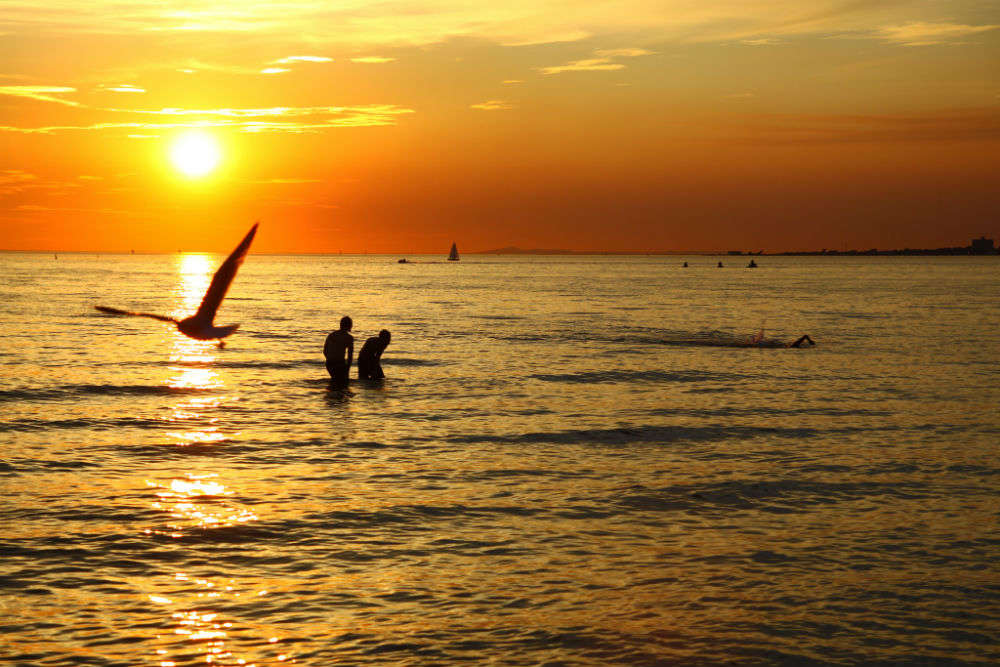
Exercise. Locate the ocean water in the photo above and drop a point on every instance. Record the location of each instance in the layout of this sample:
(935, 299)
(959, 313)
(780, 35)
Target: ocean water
(573, 461)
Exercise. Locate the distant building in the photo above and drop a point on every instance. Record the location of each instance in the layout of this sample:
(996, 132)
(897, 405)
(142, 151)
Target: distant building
(982, 246)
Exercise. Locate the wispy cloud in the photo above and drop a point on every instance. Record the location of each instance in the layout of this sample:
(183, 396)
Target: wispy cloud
(923, 34)
(492, 105)
(511, 82)
(123, 88)
(301, 59)
(311, 119)
(275, 70)
(15, 180)
(763, 41)
(588, 65)
(603, 63)
(41, 93)
(372, 60)
(622, 53)
(366, 25)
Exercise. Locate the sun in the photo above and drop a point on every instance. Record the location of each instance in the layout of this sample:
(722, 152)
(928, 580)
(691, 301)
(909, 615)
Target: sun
(195, 153)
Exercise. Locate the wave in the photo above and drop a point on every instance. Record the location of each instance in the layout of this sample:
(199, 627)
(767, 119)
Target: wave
(36, 465)
(654, 337)
(757, 411)
(220, 363)
(593, 377)
(25, 425)
(497, 317)
(645, 434)
(78, 390)
(773, 495)
(410, 361)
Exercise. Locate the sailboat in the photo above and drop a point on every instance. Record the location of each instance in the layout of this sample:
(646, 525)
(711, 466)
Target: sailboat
(453, 255)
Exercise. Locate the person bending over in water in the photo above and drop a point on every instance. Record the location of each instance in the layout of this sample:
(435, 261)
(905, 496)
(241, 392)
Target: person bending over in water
(370, 357)
(339, 351)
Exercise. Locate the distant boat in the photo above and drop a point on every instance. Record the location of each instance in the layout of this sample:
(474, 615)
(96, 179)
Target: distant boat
(453, 255)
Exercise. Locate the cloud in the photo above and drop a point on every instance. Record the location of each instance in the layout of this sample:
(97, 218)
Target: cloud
(492, 105)
(123, 88)
(372, 60)
(623, 53)
(589, 65)
(319, 119)
(763, 41)
(603, 62)
(364, 25)
(41, 93)
(275, 70)
(302, 59)
(15, 180)
(510, 82)
(924, 34)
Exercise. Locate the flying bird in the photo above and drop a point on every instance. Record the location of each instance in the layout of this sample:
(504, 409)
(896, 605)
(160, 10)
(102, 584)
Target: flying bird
(200, 325)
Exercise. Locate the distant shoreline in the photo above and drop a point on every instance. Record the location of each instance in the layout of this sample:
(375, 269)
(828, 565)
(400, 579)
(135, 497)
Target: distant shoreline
(968, 250)
(546, 252)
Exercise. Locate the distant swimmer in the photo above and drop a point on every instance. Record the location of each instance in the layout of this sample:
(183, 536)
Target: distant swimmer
(720, 265)
(685, 265)
(370, 357)
(339, 352)
(757, 340)
(752, 265)
(800, 341)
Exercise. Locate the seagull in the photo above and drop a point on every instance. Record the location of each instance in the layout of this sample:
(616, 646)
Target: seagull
(199, 326)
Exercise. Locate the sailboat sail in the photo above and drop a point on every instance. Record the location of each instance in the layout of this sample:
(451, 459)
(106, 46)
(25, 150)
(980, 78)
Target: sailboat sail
(453, 255)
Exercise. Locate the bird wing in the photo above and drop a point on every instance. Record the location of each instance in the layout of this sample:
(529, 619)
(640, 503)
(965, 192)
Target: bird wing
(222, 279)
(116, 311)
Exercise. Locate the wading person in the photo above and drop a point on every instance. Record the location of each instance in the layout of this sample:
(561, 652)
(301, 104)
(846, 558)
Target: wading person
(370, 357)
(339, 351)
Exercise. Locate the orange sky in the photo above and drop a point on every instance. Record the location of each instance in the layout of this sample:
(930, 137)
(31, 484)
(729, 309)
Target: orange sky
(402, 126)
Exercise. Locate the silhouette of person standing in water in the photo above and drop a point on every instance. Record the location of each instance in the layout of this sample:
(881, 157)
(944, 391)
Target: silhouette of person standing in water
(370, 357)
(339, 351)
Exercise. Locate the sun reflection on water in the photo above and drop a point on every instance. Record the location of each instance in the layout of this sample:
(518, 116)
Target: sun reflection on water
(197, 502)
(195, 621)
(193, 362)
(195, 272)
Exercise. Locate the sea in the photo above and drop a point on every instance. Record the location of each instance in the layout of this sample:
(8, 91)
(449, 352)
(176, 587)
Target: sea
(573, 460)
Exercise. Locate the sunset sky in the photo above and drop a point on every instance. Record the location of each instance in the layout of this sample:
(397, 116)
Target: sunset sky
(589, 125)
